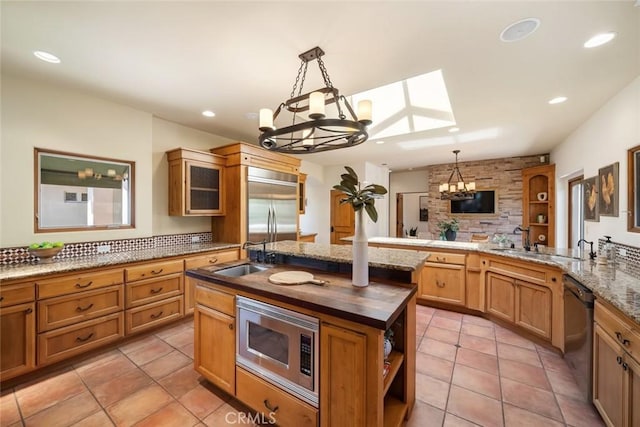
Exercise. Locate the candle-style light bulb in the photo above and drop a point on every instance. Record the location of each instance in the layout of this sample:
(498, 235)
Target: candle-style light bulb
(266, 119)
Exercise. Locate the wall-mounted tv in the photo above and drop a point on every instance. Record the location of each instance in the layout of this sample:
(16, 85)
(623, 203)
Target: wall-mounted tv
(483, 202)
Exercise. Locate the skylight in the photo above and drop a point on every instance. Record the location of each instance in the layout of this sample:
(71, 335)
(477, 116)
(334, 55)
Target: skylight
(416, 104)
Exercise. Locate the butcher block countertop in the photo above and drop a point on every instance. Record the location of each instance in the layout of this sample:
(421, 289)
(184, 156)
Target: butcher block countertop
(376, 305)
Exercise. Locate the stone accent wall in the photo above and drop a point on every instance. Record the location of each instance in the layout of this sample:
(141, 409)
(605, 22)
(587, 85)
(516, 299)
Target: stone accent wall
(502, 175)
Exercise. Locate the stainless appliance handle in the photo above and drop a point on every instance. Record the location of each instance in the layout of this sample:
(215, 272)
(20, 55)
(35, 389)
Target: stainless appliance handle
(275, 225)
(269, 226)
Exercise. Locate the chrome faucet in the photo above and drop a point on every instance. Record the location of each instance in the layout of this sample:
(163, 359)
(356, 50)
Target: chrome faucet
(525, 232)
(592, 254)
(262, 255)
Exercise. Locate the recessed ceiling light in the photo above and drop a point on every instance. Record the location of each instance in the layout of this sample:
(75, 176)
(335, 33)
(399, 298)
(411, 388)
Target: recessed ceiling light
(251, 116)
(519, 30)
(600, 39)
(558, 100)
(208, 113)
(46, 56)
(380, 142)
(452, 130)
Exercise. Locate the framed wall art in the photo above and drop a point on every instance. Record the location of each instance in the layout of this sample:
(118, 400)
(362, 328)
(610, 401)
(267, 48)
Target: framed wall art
(590, 186)
(608, 194)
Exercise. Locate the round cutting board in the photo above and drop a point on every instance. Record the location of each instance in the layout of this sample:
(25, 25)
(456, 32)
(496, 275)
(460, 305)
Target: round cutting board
(294, 278)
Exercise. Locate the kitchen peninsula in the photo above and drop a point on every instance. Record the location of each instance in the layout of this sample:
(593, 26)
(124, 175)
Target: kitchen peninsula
(353, 384)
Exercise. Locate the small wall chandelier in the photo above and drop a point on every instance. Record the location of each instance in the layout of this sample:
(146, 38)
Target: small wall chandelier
(455, 188)
(319, 133)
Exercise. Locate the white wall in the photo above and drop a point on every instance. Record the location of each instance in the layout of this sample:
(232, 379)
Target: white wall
(600, 141)
(316, 216)
(404, 182)
(411, 214)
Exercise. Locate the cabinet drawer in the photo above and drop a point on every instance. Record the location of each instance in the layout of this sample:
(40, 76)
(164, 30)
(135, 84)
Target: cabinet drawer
(150, 315)
(66, 310)
(619, 327)
(150, 290)
(281, 407)
(443, 282)
(446, 258)
(150, 270)
(211, 259)
(71, 340)
(83, 281)
(220, 301)
(16, 294)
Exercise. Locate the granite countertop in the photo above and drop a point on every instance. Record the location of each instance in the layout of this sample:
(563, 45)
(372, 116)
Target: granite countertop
(26, 271)
(376, 305)
(392, 259)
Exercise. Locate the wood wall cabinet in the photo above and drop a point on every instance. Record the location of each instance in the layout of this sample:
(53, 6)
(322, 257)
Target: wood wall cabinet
(197, 261)
(539, 215)
(17, 329)
(196, 183)
(616, 372)
(444, 278)
(302, 194)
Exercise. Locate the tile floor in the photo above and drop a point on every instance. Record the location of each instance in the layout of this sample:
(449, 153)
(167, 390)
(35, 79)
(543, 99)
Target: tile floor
(470, 372)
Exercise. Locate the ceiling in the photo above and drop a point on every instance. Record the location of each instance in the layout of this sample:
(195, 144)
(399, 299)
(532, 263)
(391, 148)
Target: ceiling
(176, 59)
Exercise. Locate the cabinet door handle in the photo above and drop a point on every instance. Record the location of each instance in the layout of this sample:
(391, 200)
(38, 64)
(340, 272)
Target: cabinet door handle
(155, 291)
(553, 279)
(443, 259)
(213, 261)
(81, 309)
(625, 342)
(625, 366)
(87, 338)
(79, 286)
(155, 316)
(29, 310)
(1, 298)
(440, 285)
(619, 360)
(270, 407)
(231, 326)
(157, 271)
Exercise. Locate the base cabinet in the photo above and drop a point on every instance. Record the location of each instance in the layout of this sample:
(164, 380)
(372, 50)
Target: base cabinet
(18, 342)
(533, 308)
(501, 296)
(443, 278)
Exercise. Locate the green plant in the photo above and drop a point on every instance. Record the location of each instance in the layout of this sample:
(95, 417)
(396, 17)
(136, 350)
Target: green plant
(448, 225)
(359, 197)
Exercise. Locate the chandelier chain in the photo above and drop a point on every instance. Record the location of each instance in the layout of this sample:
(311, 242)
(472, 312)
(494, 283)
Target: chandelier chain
(325, 73)
(303, 66)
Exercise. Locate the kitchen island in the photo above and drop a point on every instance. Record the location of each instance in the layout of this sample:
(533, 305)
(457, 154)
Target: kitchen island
(355, 387)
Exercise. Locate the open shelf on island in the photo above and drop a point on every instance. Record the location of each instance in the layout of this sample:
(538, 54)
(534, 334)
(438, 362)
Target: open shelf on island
(395, 360)
(394, 412)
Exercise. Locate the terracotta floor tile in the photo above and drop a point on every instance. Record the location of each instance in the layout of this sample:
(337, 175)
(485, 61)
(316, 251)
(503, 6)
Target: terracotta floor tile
(226, 415)
(202, 400)
(438, 349)
(476, 380)
(423, 319)
(181, 338)
(65, 413)
(174, 414)
(524, 373)
(509, 337)
(97, 359)
(137, 344)
(519, 354)
(562, 383)
(483, 345)
(444, 335)
(432, 391)
(475, 407)
(533, 399)
(99, 419)
(478, 331)
(96, 374)
(181, 381)
(451, 420)
(150, 351)
(554, 362)
(9, 412)
(475, 359)
(120, 387)
(423, 309)
(139, 405)
(187, 350)
(42, 394)
(445, 323)
(434, 366)
(514, 416)
(578, 413)
(477, 320)
(424, 415)
(449, 315)
(164, 365)
(167, 332)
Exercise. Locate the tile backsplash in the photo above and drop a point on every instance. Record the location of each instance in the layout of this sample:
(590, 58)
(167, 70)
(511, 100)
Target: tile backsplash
(629, 255)
(18, 255)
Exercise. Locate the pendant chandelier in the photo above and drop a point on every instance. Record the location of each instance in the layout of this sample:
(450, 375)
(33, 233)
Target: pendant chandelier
(456, 188)
(319, 133)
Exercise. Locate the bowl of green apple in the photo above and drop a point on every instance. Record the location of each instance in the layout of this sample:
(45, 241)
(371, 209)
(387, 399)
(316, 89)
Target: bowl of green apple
(45, 251)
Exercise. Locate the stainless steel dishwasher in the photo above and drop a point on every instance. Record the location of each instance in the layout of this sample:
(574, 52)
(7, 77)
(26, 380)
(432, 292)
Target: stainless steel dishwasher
(578, 333)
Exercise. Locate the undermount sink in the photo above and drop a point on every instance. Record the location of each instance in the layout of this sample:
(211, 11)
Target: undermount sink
(240, 270)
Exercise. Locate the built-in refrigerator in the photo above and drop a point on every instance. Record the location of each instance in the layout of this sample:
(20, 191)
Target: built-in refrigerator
(272, 208)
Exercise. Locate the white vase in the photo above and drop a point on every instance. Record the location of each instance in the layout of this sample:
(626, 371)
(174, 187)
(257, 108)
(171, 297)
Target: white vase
(360, 273)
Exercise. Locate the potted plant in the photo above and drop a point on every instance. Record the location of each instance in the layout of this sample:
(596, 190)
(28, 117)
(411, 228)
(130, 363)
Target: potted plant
(413, 232)
(448, 229)
(361, 199)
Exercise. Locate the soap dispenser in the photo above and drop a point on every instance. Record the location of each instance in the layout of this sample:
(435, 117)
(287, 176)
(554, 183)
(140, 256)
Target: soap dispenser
(609, 250)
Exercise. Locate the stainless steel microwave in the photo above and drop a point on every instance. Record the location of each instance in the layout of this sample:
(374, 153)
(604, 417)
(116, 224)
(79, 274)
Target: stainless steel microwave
(280, 346)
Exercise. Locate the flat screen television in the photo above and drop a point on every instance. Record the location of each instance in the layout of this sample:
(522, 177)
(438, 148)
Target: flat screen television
(483, 202)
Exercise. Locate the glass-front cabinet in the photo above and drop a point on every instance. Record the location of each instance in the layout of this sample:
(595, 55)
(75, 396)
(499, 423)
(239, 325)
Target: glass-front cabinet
(195, 183)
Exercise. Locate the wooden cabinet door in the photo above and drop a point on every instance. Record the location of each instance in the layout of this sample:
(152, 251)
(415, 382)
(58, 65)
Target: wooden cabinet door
(608, 377)
(443, 282)
(18, 343)
(343, 377)
(533, 308)
(501, 296)
(203, 189)
(215, 347)
(632, 400)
